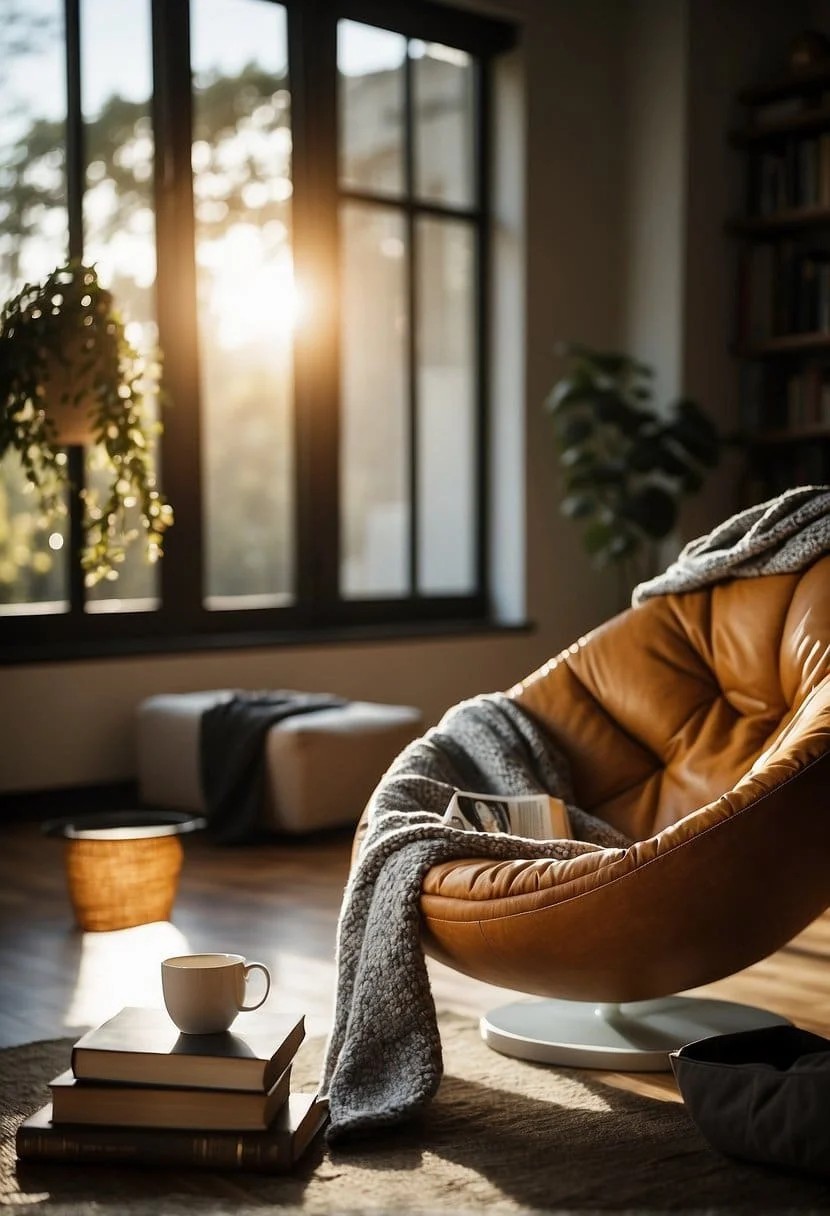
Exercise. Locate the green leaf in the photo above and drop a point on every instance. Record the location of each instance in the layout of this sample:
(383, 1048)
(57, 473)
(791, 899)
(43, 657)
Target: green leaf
(644, 455)
(576, 457)
(569, 391)
(652, 509)
(575, 430)
(692, 481)
(671, 461)
(580, 477)
(613, 410)
(597, 537)
(697, 431)
(609, 363)
(609, 473)
(698, 444)
(578, 506)
(691, 412)
(623, 545)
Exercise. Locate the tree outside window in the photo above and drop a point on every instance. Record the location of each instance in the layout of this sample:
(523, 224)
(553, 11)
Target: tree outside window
(398, 447)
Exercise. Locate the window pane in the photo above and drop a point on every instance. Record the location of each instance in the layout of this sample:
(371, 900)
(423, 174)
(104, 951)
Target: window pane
(242, 188)
(34, 574)
(447, 434)
(374, 424)
(443, 93)
(33, 241)
(371, 107)
(119, 224)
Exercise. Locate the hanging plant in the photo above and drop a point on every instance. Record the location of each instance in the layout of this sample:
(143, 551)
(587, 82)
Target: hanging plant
(69, 375)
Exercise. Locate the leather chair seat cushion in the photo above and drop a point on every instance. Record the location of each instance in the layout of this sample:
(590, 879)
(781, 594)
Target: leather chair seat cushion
(700, 726)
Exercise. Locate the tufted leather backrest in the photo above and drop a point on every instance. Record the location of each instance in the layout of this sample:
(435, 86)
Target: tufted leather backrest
(665, 707)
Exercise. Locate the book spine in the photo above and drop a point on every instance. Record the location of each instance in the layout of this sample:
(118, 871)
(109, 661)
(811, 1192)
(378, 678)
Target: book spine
(144, 1147)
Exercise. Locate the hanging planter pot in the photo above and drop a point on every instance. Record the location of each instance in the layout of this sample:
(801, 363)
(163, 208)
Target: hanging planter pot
(71, 423)
(68, 395)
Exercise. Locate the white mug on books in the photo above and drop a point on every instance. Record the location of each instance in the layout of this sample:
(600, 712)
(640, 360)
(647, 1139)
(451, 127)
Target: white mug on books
(203, 993)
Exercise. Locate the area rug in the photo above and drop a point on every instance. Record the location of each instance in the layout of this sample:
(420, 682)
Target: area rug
(501, 1136)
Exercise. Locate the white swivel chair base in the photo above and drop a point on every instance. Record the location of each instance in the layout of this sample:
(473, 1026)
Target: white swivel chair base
(635, 1037)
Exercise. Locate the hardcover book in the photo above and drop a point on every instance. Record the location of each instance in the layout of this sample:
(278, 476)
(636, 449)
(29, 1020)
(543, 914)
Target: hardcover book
(273, 1151)
(76, 1101)
(143, 1047)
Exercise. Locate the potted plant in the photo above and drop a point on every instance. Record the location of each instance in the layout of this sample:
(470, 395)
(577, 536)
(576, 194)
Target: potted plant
(625, 465)
(68, 375)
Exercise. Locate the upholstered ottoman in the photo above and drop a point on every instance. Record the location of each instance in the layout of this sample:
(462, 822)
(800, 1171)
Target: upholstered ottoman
(320, 767)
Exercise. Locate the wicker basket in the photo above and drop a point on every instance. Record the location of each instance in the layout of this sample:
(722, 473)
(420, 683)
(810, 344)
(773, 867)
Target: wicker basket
(122, 868)
(114, 884)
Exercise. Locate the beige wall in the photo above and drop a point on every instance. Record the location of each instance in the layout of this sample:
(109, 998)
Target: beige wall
(654, 213)
(615, 183)
(70, 724)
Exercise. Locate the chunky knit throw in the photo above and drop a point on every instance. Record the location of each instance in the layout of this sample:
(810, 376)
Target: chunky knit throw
(383, 1059)
(779, 536)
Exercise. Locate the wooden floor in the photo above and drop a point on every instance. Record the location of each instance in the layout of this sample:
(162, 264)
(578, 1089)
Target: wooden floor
(278, 904)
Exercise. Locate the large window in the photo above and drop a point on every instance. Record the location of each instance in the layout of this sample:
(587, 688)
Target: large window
(290, 201)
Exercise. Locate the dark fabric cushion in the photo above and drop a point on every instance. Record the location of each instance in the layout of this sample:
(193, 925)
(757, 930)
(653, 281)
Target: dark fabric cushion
(762, 1095)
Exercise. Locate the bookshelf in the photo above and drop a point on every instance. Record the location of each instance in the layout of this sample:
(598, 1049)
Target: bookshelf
(782, 241)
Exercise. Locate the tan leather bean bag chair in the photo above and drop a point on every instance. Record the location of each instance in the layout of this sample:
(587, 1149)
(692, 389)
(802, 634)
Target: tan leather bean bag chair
(698, 724)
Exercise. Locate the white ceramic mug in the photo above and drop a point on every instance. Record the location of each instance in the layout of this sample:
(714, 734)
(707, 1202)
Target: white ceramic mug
(203, 993)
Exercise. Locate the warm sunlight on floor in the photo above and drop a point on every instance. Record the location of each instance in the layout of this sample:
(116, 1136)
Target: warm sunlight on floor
(122, 967)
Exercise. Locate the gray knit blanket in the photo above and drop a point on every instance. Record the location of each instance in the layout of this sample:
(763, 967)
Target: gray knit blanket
(780, 536)
(383, 1058)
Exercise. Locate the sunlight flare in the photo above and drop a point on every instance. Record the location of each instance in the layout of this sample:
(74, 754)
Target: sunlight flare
(122, 967)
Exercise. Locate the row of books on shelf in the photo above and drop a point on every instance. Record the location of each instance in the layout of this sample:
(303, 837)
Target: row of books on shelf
(792, 177)
(137, 1091)
(798, 401)
(770, 114)
(807, 465)
(786, 291)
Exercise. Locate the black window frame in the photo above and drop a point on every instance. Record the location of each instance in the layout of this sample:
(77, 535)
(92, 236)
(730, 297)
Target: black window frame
(182, 621)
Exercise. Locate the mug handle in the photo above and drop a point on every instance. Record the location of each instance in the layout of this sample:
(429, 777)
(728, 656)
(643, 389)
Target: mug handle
(249, 967)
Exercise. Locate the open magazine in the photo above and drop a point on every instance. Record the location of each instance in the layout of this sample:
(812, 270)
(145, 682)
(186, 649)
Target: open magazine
(536, 816)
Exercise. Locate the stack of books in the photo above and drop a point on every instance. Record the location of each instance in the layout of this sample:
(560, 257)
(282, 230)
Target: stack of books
(139, 1091)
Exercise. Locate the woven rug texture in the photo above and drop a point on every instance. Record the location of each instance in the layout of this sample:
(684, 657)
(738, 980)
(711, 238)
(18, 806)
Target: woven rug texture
(502, 1136)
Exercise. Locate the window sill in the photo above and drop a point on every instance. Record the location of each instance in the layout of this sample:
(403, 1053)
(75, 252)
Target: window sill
(339, 635)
